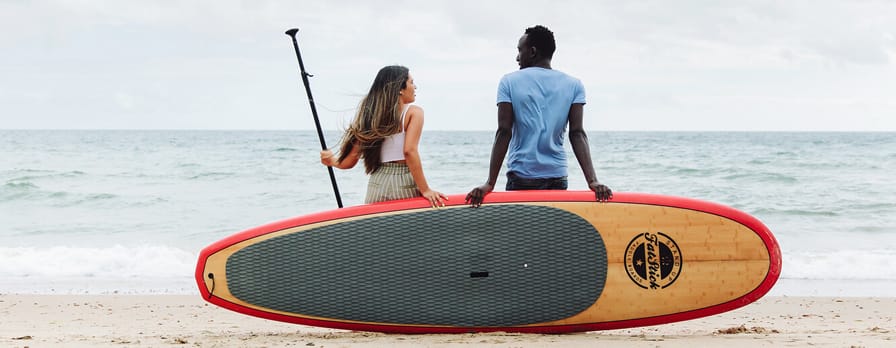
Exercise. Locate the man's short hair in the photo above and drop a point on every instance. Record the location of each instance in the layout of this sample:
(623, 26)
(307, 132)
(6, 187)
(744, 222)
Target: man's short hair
(542, 39)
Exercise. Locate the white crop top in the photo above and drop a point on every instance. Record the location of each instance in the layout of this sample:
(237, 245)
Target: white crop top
(393, 146)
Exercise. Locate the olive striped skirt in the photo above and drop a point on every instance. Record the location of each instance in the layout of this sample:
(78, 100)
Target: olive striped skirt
(390, 182)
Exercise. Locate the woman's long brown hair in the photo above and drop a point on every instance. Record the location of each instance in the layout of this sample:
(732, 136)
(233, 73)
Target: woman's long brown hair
(378, 117)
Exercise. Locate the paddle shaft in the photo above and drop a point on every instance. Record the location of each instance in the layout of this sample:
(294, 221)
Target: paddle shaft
(320, 133)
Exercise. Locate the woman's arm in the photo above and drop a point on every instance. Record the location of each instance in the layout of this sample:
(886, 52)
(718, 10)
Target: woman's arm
(413, 130)
(328, 159)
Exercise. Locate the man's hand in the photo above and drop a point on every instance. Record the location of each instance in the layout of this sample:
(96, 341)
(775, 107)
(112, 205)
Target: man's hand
(602, 193)
(475, 197)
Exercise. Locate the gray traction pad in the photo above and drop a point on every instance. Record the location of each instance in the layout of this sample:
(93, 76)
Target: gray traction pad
(500, 265)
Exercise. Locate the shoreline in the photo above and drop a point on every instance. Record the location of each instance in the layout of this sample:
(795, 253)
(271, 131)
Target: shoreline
(187, 320)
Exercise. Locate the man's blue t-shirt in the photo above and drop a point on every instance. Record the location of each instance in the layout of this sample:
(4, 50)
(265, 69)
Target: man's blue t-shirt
(541, 99)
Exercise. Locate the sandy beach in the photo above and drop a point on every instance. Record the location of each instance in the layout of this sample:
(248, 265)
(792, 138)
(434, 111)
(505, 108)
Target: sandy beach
(186, 320)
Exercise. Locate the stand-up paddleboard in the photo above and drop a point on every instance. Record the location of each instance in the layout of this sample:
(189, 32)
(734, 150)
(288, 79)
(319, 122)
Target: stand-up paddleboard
(525, 261)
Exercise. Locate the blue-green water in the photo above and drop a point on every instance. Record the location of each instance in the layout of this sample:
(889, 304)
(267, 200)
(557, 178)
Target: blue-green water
(89, 211)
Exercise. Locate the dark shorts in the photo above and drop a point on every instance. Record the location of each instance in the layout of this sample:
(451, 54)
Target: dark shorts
(516, 183)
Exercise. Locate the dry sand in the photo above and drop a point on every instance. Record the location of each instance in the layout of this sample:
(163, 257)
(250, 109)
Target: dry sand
(188, 321)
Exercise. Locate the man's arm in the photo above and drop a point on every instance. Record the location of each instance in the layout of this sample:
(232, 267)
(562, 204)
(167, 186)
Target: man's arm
(579, 141)
(499, 150)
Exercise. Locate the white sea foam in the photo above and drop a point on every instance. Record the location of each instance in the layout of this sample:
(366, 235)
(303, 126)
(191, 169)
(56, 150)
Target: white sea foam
(875, 264)
(116, 269)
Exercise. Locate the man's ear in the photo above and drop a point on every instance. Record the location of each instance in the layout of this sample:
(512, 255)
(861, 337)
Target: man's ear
(534, 51)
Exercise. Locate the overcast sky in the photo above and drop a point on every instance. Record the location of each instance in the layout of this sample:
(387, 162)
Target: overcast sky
(646, 65)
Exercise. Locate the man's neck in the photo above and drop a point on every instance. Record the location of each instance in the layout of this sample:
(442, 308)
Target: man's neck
(544, 64)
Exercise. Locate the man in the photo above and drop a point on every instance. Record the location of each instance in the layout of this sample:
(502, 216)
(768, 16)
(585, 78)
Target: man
(535, 105)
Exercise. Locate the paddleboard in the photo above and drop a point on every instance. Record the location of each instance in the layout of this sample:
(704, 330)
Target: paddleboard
(525, 261)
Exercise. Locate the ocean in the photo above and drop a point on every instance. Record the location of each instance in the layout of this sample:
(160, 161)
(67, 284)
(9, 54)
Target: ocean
(127, 211)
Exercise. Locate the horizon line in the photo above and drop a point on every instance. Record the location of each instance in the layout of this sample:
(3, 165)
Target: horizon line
(457, 130)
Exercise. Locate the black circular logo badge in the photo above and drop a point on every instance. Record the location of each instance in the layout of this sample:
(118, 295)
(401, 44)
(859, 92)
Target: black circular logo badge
(653, 260)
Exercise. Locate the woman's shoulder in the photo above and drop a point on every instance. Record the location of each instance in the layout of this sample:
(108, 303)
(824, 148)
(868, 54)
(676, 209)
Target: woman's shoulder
(414, 115)
(414, 109)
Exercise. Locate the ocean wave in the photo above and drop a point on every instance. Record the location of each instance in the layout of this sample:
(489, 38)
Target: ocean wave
(840, 265)
(96, 197)
(71, 199)
(793, 212)
(760, 161)
(685, 170)
(148, 269)
(673, 170)
(19, 186)
(875, 206)
(115, 262)
(762, 177)
(212, 175)
(26, 187)
(149, 201)
(786, 154)
(873, 229)
(13, 191)
(35, 174)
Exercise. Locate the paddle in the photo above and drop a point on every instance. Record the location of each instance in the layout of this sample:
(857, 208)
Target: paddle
(320, 133)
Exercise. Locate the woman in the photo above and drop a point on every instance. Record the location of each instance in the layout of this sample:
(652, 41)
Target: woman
(385, 133)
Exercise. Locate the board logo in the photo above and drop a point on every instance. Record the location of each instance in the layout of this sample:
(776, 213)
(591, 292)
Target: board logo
(653, 260)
